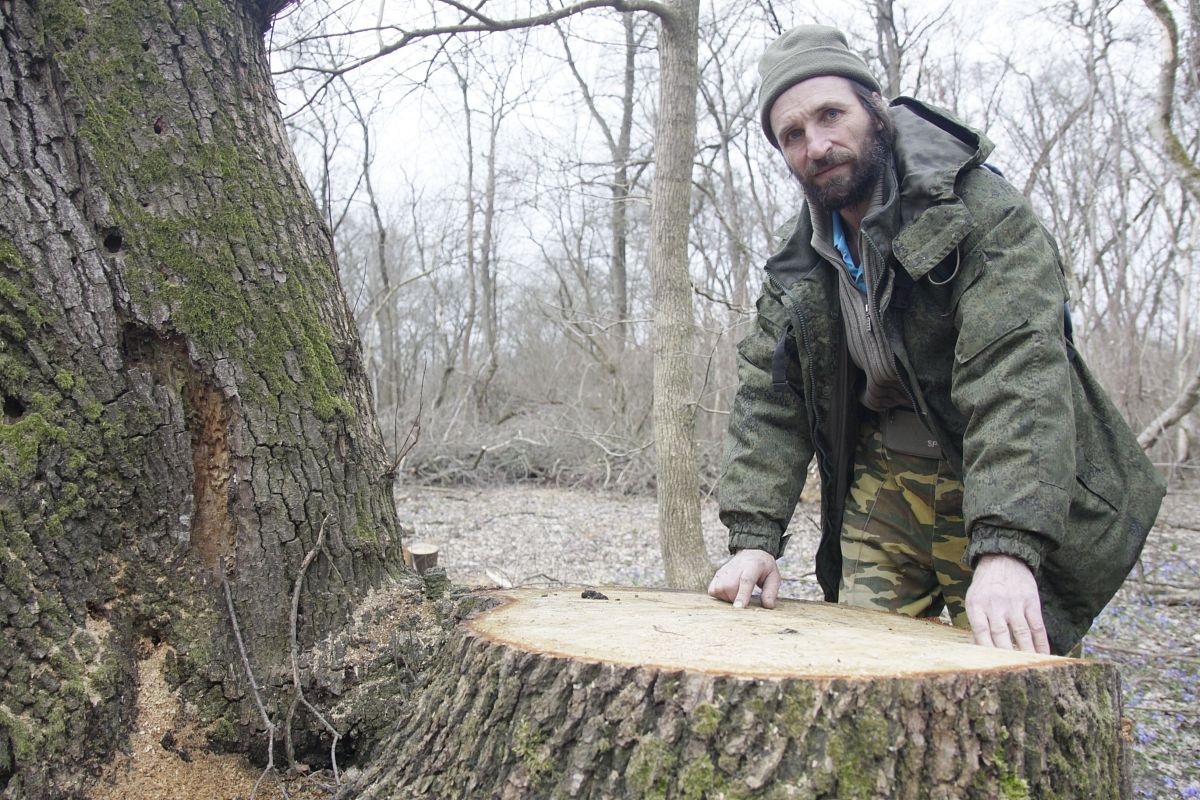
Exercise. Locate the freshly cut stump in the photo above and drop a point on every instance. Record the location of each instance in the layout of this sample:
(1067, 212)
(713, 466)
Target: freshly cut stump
(652, 693)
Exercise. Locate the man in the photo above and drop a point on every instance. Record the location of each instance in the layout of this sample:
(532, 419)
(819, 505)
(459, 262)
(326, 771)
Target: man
(911, 335)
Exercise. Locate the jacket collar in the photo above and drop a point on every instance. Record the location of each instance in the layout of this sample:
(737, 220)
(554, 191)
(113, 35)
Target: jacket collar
(933, 150)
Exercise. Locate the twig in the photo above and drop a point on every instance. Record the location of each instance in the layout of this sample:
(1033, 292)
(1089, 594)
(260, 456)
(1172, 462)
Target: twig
(708, 365)
(1112, 648)
(270, 726)
(299, 695)
(707, 295)
(1195, 587)
(802, 576)
(414, 430)
(1187, 712)
(537, 514)
(531, 579)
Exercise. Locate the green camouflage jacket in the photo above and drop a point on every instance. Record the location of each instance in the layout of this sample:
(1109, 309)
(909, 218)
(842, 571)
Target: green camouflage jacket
(1051, 472)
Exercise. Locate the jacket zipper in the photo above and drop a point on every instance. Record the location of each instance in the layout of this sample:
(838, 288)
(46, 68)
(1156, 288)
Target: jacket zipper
(905, 378)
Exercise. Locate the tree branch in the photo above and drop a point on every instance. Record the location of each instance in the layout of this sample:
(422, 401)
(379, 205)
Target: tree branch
(482, 24)
(1183, 404)
(1189, 172)
(266, 719)
(299, 697)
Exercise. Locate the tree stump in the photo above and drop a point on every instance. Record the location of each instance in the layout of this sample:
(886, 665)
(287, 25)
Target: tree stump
(652, 693)
(421, 556)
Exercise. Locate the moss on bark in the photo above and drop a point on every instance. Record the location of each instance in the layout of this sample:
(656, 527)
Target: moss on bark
(192, 263)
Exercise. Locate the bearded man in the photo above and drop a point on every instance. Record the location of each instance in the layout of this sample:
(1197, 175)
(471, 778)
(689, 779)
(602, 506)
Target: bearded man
(912, 336)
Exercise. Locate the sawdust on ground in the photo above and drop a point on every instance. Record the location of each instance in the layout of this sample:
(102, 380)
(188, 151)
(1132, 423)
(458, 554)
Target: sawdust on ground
(167, 757)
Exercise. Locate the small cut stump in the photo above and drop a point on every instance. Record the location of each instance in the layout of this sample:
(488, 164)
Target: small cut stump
(651, 693)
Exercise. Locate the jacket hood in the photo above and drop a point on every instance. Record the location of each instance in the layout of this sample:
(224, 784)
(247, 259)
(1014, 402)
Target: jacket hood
(933, 150)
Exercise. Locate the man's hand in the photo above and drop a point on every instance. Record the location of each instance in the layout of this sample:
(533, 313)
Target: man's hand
(737, 577)
(1003, 605)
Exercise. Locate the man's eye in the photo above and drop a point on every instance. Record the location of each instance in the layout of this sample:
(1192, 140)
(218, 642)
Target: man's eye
(832, 114)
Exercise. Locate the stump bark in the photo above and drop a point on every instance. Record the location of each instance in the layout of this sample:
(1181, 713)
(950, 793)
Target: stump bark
(651, 693)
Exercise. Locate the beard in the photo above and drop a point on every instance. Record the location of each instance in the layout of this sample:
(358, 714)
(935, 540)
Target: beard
(855, 187)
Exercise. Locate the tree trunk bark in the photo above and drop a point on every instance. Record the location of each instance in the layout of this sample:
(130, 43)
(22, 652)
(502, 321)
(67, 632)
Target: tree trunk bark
(684, 554)
(649, 693)
(184, 402)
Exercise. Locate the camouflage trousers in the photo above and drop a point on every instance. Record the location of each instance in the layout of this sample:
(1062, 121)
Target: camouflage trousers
(902, 534)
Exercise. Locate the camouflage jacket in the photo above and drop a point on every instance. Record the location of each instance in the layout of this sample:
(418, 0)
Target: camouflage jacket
(973, 307)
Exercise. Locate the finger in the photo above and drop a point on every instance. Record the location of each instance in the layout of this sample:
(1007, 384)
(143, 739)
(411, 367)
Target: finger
(770, 592)
(1022, 635)
(979, 626)
(745, 589)
(1001, 638)
(723, 586)
(1037, 629)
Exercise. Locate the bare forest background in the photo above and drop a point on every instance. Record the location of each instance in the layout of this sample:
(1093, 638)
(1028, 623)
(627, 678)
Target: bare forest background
(489, 195)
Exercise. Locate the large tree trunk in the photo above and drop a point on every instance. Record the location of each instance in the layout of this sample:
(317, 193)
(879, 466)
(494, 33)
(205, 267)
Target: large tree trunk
(669, 694)
(184, 404)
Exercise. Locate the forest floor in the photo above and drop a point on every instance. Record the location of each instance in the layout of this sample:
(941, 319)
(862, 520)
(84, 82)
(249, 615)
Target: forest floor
(521, 535)
(515, 535)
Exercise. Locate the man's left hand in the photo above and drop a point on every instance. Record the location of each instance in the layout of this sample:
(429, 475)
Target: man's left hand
(1003, 605)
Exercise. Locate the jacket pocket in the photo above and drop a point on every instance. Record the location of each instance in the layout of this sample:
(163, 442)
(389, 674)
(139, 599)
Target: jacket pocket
(1097, 480)
(979, 335)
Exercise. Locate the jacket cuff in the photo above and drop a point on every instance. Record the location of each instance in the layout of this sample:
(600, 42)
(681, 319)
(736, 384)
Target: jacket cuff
(988, 540)
(757, 539)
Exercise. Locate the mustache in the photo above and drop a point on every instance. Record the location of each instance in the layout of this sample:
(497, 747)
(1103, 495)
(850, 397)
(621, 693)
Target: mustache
(812, 168)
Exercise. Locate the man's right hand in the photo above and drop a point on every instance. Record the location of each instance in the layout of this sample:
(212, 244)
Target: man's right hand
(737, 577)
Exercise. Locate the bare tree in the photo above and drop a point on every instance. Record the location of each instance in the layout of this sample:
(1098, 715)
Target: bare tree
(1187, 167)
(625, 171)
(674, 407)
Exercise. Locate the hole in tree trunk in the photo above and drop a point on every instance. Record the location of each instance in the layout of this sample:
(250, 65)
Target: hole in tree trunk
(14, 409)
(113, 240)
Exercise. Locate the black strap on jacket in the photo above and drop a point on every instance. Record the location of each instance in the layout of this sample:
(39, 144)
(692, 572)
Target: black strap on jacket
(785, 354)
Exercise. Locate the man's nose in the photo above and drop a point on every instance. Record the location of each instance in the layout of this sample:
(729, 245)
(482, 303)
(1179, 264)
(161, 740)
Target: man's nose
(818, 145)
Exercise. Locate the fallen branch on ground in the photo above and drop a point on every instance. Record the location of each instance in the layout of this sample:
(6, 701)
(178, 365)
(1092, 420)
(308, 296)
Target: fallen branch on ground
(298, 697)
(270, 726)
(1112, 648)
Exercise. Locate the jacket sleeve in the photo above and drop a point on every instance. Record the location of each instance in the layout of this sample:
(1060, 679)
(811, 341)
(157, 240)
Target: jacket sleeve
(767, 446)
(1011, 380)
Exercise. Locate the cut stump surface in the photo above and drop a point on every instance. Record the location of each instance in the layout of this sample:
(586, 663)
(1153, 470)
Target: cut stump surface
(689, 631)
(655, 693)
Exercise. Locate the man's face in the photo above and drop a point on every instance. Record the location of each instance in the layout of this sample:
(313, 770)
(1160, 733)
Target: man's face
(830, 142)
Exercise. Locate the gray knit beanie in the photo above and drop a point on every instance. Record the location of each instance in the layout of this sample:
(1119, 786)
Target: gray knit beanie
(805, 52)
